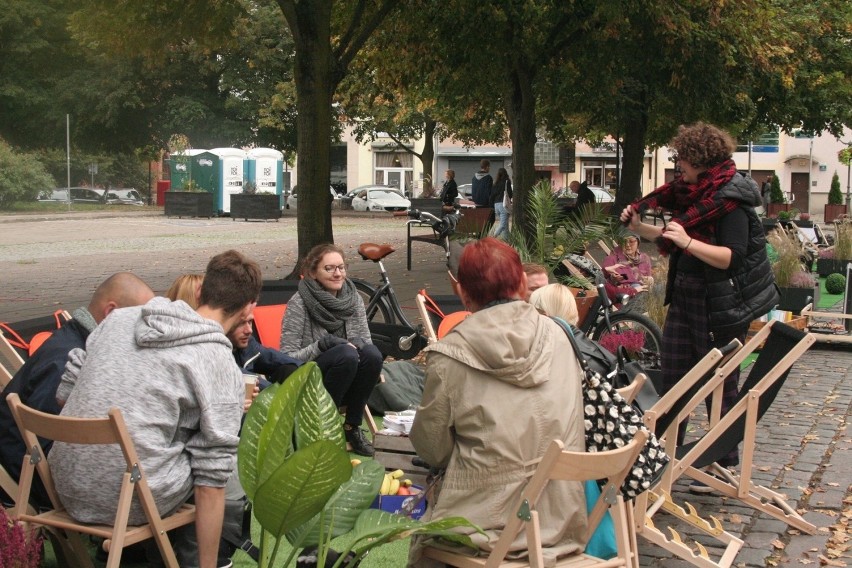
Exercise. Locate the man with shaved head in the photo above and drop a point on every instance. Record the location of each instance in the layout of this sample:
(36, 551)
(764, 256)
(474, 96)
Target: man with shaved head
(37, 380)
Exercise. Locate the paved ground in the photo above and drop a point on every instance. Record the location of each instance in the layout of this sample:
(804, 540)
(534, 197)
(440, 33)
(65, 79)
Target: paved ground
(56, 261)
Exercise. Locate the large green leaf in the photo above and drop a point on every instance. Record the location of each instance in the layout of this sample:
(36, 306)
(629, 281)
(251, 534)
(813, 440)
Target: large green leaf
(276, 439)
(301, 486)
(248, 453)
(317, 417)
(379, 527)
(342, 510)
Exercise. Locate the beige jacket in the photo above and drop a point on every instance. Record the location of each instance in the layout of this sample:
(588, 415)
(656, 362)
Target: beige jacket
(499, 388)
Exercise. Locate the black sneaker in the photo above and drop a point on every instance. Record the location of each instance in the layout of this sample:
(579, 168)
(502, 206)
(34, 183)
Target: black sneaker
(360, 444)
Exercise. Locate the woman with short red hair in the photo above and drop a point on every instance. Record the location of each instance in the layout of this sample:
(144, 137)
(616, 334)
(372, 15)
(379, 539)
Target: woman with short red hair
(499, 388)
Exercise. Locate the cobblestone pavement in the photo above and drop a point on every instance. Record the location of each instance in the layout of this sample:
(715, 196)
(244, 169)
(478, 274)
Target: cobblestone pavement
(56, 261)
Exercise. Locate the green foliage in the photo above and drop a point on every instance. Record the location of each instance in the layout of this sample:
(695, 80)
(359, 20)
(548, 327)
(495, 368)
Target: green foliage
(22, 177)
(834, 195)
(294, 467)
(835, 284)
(554, 235)
(776, 196)
(843, 240)
(787, 252)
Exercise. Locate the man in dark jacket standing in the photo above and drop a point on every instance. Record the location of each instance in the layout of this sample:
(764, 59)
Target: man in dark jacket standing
(481, 185)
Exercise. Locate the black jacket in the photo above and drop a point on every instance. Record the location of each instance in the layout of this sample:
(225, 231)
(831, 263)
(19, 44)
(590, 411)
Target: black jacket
(737, 297)
(36, 383)
(497, 191)
(449, 192)
(481, 189)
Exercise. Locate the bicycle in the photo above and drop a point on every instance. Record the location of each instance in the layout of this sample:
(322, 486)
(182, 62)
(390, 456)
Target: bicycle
(604, 320)
(390, 328)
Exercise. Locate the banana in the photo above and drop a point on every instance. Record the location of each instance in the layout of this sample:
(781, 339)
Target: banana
(406, 483)
(397, 473)
(394, 487)
(385, 485)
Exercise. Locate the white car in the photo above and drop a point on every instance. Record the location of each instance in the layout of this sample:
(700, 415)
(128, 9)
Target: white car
(465, 190)
(602, 195)
(378, 198)
(292, 200)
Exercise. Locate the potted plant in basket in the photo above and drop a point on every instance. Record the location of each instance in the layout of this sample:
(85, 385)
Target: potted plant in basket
(294, 468)
(253, 204)
(797, 286)
(833, 260)
(777, 202)
(835, 206)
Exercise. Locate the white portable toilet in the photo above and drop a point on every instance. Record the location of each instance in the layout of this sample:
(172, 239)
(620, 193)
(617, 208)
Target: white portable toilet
(265, 169)
(231, 174)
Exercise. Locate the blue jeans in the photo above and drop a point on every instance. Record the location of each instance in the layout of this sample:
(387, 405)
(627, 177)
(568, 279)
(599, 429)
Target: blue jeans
(502, 226)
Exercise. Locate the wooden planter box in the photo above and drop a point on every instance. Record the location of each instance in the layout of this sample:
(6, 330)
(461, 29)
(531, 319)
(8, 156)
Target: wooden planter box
(832, 212)
(826, 266)
(775, 208)
(189, 204)
(794, 299)
(263, 206)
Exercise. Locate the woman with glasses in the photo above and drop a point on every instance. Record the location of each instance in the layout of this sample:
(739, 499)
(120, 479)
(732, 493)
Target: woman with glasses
(325, 322)
(719, 277)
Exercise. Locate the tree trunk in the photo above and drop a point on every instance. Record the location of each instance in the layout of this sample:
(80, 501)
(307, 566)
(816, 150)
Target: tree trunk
(520, 114)
(633, 161)
(427, 157)
(315, 84)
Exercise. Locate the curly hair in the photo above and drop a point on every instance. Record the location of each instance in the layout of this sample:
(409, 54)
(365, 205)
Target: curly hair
(703, 145)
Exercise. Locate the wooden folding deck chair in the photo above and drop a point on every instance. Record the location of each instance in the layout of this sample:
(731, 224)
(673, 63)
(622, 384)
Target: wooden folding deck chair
(782, 348)
(558, 464)
(108, 430)
(663, 419)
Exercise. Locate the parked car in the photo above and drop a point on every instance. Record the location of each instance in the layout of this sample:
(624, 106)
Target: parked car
(292, 200)
(465, 190)
(378, 198)
(602, 195)
(124, 197)
(78, 195)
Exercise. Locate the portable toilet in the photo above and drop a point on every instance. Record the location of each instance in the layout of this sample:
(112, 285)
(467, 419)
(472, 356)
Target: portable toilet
(179, 167)
(265, 167)
(204, 167)
(231, 175)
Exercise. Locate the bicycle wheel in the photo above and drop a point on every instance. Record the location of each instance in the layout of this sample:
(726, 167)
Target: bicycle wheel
(381, 312)
(648, 341)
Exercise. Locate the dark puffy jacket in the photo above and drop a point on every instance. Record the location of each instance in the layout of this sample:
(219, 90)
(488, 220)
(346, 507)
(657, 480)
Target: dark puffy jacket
(481, 189)
(736, 298)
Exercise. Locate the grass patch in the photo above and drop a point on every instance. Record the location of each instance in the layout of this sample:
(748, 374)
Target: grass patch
(37, 207)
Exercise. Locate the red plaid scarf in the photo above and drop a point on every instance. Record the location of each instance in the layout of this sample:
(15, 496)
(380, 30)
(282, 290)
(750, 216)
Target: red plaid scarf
(696, 207)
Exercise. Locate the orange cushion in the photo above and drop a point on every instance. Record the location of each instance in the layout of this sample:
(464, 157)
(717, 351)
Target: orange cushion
(37, 340)
(451, 321)
(267, 322)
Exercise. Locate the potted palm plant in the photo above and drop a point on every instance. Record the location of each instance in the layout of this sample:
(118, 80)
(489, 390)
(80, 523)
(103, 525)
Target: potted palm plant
(304, 489)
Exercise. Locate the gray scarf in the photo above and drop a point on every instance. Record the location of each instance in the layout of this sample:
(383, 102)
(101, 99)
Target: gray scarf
(328, 310)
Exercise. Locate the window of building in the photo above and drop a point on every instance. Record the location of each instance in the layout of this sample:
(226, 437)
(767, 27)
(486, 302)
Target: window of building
(395, 169)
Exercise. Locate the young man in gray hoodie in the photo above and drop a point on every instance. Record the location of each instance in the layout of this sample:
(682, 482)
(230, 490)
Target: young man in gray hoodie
(171, 372)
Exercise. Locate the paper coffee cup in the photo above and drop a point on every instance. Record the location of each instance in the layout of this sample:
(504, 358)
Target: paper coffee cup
(251, 382)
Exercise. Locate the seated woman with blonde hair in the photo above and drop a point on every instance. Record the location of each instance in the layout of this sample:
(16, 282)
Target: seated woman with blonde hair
(186, 287)
(556, 300)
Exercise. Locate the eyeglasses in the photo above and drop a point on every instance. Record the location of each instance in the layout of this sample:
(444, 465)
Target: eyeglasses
(336, 268)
